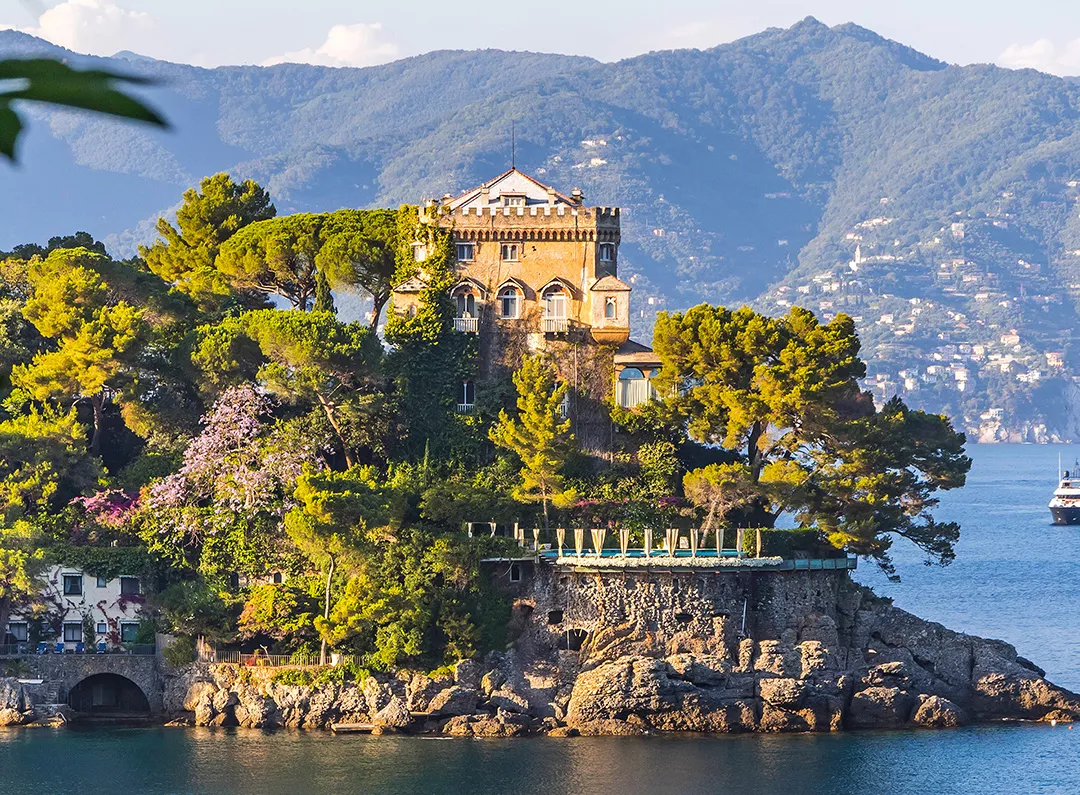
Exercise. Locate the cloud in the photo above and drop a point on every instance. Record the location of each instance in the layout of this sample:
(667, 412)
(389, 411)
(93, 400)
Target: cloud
(1044, 55)
(361, 44)
(97, 27)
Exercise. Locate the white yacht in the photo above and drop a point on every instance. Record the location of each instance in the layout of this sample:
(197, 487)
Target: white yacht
(1065, 504)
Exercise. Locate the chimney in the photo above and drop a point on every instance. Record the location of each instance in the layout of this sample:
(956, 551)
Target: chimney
(551, 195)
(485, 196)
(577, 195)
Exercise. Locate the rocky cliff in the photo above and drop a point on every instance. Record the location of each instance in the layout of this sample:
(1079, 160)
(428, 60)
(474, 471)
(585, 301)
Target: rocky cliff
(599, 653)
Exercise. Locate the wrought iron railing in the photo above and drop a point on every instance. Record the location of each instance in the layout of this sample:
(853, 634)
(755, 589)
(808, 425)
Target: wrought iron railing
(54, 647)
(260, 659)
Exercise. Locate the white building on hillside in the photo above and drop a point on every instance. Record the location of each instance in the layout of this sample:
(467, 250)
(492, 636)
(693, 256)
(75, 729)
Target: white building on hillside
(74, 602)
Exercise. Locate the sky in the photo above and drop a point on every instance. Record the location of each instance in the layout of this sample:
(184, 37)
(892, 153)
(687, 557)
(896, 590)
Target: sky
(1042, 34)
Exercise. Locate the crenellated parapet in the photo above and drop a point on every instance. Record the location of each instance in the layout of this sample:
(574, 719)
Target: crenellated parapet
(545, 223)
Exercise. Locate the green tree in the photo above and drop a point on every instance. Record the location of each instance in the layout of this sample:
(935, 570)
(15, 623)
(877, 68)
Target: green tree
(309, 358)
(97, 334)
(313, 357)
(186, 253)
(331, 524)
(539, 435)
(20, 566)
(324, 296)
(276, 257)
(360, 252)
(43, 463)
(719, 489)
(784, 394)
(78, 240)
(283, 612)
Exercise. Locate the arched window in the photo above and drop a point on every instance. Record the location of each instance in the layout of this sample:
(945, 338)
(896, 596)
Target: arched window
(611, 307)
(555, 302)
(509, 303)
(633, 388)
(466, 303)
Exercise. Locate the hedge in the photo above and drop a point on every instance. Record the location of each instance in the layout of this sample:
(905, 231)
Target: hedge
(107, 562)
(784, 543)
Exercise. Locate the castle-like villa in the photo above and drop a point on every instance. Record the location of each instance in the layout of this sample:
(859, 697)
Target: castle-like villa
(538, 271)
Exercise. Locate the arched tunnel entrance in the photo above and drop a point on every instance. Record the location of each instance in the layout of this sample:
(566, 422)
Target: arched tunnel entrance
(108, 695)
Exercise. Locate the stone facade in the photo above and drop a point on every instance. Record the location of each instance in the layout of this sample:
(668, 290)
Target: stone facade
(538, 271)
(111, 606)
(60, 674)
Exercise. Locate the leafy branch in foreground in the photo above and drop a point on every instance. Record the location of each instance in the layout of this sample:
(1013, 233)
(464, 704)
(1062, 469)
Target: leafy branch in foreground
(56, 83)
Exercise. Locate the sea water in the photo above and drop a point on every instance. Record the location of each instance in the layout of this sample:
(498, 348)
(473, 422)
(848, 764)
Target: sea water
(1016, 577)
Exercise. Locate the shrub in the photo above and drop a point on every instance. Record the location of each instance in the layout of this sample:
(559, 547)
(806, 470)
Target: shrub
(292, 676)
(180, 652)
(784, 543)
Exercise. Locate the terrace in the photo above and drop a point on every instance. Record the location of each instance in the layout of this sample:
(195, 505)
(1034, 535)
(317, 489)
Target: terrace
(753, 550)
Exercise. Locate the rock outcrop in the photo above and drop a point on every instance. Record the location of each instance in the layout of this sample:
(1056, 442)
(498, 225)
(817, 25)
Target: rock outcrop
(793, 653)
(886, 669)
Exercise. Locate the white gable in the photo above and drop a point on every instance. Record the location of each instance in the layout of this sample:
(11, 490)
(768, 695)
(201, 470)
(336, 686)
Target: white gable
(511, 184)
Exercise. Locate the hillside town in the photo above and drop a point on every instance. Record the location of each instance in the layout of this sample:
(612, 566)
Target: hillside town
(957, 323)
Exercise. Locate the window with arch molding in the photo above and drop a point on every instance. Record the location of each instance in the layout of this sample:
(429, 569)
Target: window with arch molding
(632, 389)
(509, 303)
(466, 303)
(611, 307)
(555, 303)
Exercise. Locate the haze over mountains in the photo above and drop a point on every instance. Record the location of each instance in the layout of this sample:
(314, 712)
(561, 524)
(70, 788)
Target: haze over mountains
(749, 173)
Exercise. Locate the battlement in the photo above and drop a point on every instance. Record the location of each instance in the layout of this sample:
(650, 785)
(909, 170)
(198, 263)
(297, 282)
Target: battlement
(546, 214)
(533, 210)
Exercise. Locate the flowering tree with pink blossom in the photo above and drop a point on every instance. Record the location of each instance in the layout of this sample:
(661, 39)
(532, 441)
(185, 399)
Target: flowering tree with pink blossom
(222, 511)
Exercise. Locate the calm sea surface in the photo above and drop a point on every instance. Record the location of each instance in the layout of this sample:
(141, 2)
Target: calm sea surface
(1016, 577)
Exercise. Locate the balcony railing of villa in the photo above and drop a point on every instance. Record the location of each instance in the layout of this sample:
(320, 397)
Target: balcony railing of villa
(556, 325)
(470, 325)
(260, 658)
(55, 647)
(465, 408)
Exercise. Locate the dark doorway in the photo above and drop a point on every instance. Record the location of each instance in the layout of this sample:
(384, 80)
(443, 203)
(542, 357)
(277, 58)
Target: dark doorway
(573, 639)
(108, 694)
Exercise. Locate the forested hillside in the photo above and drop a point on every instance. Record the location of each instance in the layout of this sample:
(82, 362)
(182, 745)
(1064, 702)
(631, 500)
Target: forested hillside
(750, 172)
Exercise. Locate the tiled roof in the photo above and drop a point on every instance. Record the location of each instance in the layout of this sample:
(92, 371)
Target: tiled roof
(411, 285)
(611, 284)
(471, 195)
(631, 352)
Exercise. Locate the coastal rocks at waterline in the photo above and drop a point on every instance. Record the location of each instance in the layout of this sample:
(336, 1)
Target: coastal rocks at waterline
(869, 665)
(15, 706)
(894, 670)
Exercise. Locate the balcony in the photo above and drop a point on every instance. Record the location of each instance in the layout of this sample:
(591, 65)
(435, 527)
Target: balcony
(555, 325)
(469, 325)
(465, 408)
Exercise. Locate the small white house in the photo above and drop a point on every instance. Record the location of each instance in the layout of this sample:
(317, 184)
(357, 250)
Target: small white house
(75, 600)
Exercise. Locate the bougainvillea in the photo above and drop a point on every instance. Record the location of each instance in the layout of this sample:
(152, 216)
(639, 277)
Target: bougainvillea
(112, 508)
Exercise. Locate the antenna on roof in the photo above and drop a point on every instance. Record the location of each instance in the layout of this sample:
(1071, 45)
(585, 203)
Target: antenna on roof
(513, 145)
